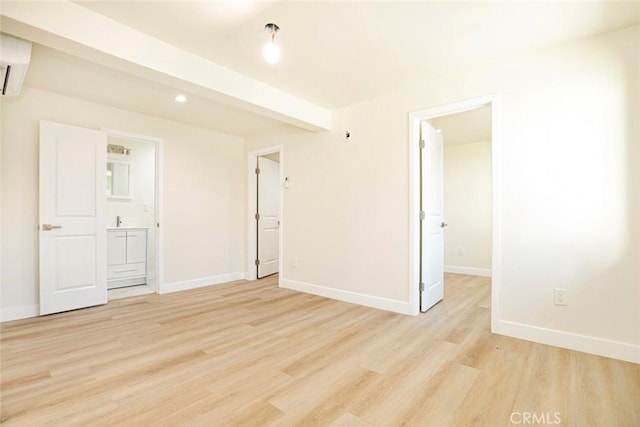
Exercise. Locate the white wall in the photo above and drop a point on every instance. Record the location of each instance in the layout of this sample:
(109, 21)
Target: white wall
(204, 189)
(570, 201)
(467, 208)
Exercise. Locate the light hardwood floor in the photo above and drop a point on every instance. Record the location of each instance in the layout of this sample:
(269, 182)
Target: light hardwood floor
(252, 354)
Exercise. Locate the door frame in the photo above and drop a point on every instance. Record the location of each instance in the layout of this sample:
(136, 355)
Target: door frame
(414, 194)
(159, 206)
(252, 192)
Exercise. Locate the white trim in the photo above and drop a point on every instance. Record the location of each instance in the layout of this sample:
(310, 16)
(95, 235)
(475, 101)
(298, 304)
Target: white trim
(252, 190)
(348, 296)
(159, 178)
(16, 313)
(199, 283)
(496, 209)
(414, 216)
(159, 215)
(473, 271)
(130, 135)
(587, 344)
(414, 194)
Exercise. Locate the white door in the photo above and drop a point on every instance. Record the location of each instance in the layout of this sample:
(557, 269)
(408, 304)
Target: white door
(268, 216)
(72, 218)
(431, 229)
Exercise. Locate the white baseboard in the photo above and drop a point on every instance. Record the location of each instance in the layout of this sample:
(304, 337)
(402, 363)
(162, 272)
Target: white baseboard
(348, 296)
(601, 347)
(16, 313)
(166, 288)
(486, 272)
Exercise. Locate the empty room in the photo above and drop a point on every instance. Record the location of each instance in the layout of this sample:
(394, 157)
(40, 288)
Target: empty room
(319, 213)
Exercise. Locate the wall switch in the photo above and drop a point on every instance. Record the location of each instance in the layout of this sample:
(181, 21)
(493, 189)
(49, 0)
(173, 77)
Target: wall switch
(294, 262)
(560, 296)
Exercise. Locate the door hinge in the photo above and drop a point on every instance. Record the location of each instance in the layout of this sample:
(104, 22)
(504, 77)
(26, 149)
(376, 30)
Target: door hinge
(257, 217)
(422, 144)
(257, 171)
(157, 225)
(422, 216)
(421, 286)
(257, 262)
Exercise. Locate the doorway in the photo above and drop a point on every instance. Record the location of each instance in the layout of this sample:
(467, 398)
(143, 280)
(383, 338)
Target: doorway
(467, 191)
(74, 184)
(133, 208)
(449, 119)
(264, 207)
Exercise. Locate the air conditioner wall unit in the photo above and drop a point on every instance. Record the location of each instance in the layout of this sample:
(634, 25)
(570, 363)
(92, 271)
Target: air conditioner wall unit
(15, 55)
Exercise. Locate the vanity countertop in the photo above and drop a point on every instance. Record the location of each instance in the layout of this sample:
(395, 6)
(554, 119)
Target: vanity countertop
(126, 228)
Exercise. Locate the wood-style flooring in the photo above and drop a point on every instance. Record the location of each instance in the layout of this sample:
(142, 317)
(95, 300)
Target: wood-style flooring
(252, 354)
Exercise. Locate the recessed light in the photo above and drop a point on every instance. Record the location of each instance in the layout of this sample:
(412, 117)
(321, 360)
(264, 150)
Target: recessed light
(180, 98)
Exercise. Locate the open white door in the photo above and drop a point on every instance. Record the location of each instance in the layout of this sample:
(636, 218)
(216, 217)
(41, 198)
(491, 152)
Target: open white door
(268, 216)
(431, 233)
(72, 217)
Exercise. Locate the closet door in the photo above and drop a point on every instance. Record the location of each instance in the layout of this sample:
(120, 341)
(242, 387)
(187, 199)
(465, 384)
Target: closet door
(268, 218)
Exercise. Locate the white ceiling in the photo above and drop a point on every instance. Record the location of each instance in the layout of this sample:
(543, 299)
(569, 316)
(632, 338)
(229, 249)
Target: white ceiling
(58, 72)
(466, 127)
(335, 53)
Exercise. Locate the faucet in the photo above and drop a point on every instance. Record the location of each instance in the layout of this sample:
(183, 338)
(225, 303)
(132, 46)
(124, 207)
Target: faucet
(118, 221)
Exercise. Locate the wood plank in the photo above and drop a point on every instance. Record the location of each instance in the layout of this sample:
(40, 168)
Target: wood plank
(251, 353)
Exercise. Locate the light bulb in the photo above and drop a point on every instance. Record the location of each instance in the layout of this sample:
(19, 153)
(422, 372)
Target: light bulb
(271, 52)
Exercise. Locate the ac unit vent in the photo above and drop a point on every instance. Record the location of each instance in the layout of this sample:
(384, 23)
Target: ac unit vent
(15, 55)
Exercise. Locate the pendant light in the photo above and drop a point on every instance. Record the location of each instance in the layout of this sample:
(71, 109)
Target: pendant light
(271, 50)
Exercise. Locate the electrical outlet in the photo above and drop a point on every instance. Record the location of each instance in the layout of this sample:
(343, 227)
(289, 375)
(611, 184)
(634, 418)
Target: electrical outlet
(560, 296)
(294, 262)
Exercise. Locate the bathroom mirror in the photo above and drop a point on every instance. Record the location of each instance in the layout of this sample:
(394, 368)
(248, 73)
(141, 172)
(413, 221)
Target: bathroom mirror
(118, 179)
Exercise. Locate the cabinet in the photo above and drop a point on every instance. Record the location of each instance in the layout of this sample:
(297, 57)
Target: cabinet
(126, 257)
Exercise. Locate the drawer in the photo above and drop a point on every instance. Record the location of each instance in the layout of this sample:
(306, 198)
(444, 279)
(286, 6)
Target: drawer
(126, 270)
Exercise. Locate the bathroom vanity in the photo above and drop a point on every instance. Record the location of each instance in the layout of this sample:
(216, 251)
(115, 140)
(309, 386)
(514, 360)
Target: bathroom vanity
(126, 257)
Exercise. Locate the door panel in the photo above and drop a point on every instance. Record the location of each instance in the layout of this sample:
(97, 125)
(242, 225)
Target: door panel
(136, 246)
(432, 238)
(75, 262)
(75, 179)
(126, 271)
(73, 202)
(269, 211)
(116, 247)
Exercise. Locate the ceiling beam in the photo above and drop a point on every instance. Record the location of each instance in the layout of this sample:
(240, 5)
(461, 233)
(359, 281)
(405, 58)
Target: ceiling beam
(73, 29)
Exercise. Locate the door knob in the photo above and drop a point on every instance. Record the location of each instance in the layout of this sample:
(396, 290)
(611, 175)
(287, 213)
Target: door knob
(443, 225)
(49, 227)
